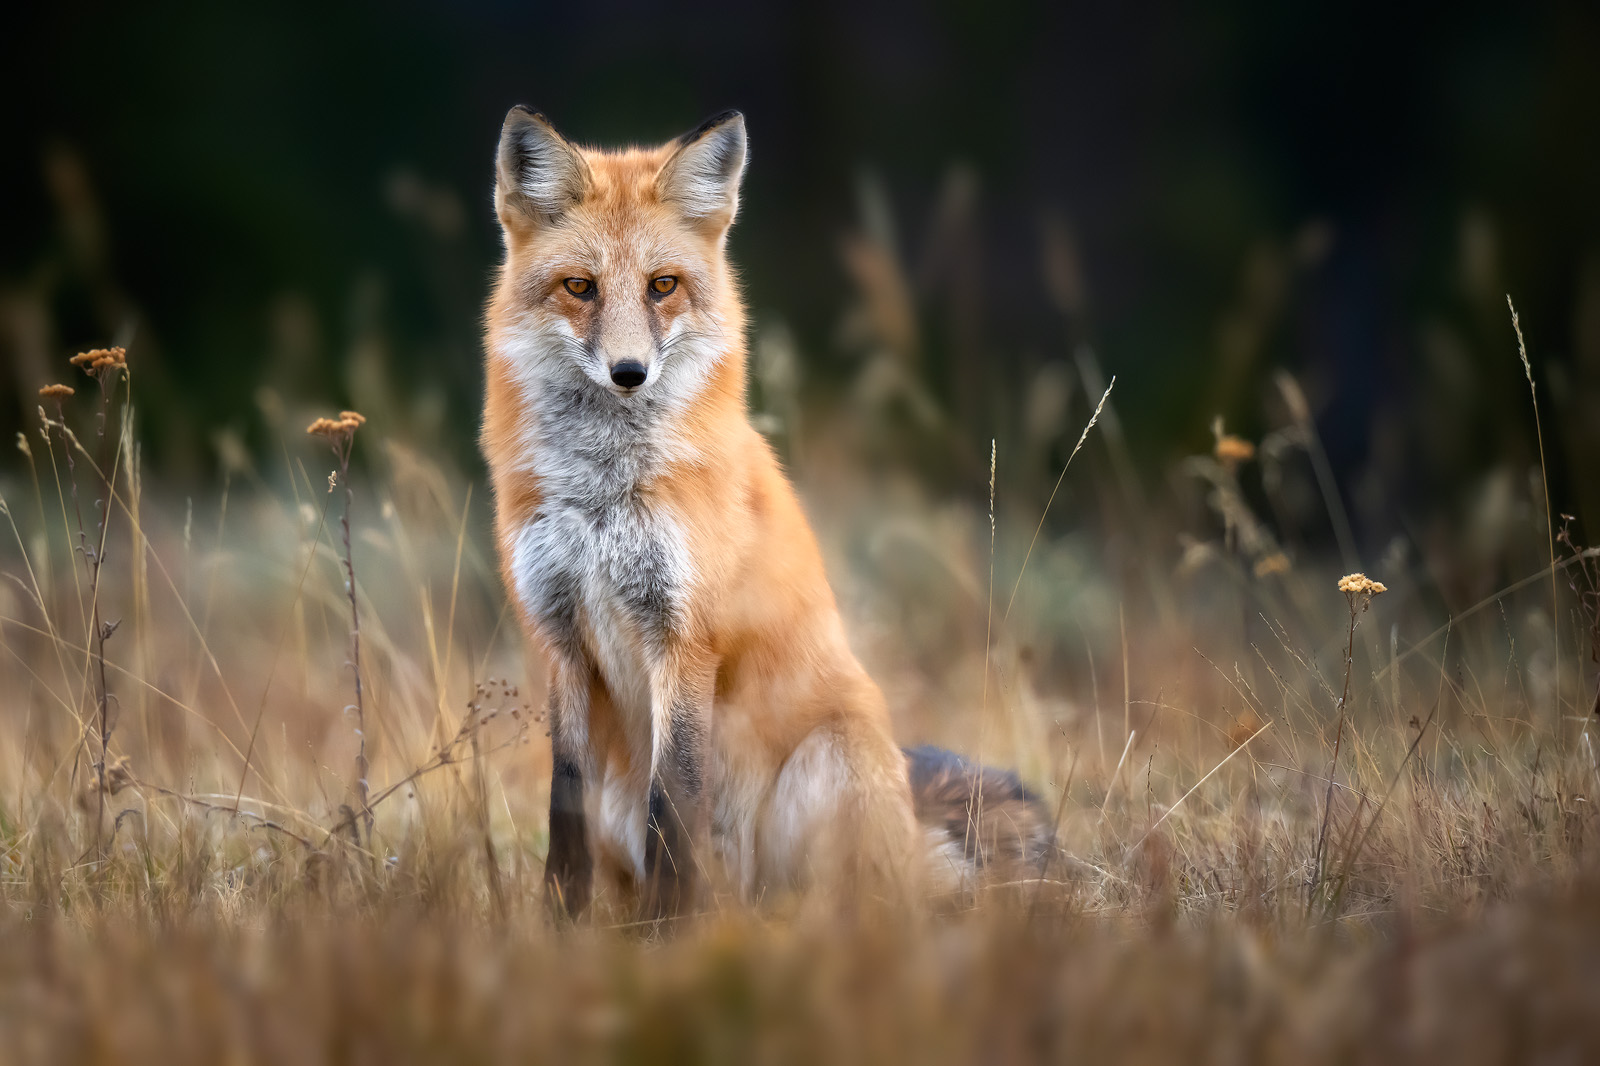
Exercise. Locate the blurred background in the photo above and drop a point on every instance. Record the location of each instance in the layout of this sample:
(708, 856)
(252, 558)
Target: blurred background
(959, 221)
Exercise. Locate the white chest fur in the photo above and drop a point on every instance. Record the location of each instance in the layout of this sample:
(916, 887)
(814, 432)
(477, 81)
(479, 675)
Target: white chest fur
(605, 573)
(605, 585)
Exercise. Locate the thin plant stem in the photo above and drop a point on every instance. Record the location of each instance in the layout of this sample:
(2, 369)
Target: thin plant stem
(355, 638)
(1549, 522)
(975, 799)
(107, 381)
(1059, 479)
(93, 559)
(1338, 737)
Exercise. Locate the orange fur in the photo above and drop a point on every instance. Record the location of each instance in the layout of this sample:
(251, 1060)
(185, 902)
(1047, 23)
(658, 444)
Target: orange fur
(719, 633)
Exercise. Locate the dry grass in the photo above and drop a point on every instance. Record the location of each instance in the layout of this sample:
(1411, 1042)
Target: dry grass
(1340, 827)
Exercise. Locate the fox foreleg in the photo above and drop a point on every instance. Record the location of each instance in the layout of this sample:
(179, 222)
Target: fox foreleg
(569, 866)
(681, 722)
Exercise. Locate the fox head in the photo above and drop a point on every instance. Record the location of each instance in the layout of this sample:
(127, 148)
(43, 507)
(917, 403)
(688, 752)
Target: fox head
(615, 273)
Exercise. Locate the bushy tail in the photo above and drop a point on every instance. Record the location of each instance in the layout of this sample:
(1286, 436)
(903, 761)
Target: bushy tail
(981, 823)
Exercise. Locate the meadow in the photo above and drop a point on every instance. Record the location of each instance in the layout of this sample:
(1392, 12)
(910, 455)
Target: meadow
(273, 769)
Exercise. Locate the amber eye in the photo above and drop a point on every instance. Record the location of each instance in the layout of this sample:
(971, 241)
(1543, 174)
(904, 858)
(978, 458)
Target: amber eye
(663, 285)
(580, 287)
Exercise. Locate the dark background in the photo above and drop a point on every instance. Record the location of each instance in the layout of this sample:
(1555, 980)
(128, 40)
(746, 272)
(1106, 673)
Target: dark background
(298, 197)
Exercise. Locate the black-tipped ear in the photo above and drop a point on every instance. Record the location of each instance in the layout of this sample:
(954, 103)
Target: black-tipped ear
(539, 176)
(702, 177)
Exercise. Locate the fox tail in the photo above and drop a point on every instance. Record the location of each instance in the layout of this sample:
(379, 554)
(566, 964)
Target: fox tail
(982, 824)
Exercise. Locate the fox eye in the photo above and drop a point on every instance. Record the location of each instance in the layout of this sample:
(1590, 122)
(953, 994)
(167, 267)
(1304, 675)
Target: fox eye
(580, 287)
(663, 285)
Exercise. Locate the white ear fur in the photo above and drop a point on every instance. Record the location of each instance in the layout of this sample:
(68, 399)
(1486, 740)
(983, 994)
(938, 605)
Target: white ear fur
(538, 174)
(702, 177)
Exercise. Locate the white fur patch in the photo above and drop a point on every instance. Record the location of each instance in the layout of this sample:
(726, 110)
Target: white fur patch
(537, 163)
(575, 567)
(702, 178)
(949, 870)
(802, 812)
(624, 811)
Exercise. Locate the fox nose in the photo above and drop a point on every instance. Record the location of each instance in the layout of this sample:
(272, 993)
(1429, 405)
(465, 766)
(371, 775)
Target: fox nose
(629, 375)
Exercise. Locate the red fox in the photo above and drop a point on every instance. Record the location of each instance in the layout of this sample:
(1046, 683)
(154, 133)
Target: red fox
(703, 698)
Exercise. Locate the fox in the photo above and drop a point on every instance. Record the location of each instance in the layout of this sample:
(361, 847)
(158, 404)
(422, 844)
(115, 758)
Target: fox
(705, 708)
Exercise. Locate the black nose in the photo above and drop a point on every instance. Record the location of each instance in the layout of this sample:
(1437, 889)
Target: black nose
(629, 375)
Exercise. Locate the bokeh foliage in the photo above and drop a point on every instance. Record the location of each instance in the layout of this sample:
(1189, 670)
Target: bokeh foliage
(297, 198)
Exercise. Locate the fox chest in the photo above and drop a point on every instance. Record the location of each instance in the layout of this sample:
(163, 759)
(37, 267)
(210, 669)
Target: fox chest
(605, 584)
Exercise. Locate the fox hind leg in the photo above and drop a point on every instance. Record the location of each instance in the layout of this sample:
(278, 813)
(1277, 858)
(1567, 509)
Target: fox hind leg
(839, 820)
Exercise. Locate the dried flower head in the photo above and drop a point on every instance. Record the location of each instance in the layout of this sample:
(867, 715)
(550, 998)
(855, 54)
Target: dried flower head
(1231, 450)
(101, 359)
(108, 779)
(57, 392)
(1276, 563)
(335, 429)
(1361, 585)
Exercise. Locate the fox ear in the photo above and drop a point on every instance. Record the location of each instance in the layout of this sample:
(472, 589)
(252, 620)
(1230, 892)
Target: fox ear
(702, 176)
(539, 175)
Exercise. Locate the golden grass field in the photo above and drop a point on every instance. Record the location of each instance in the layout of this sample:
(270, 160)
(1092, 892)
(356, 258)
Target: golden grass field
(1296, 824)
